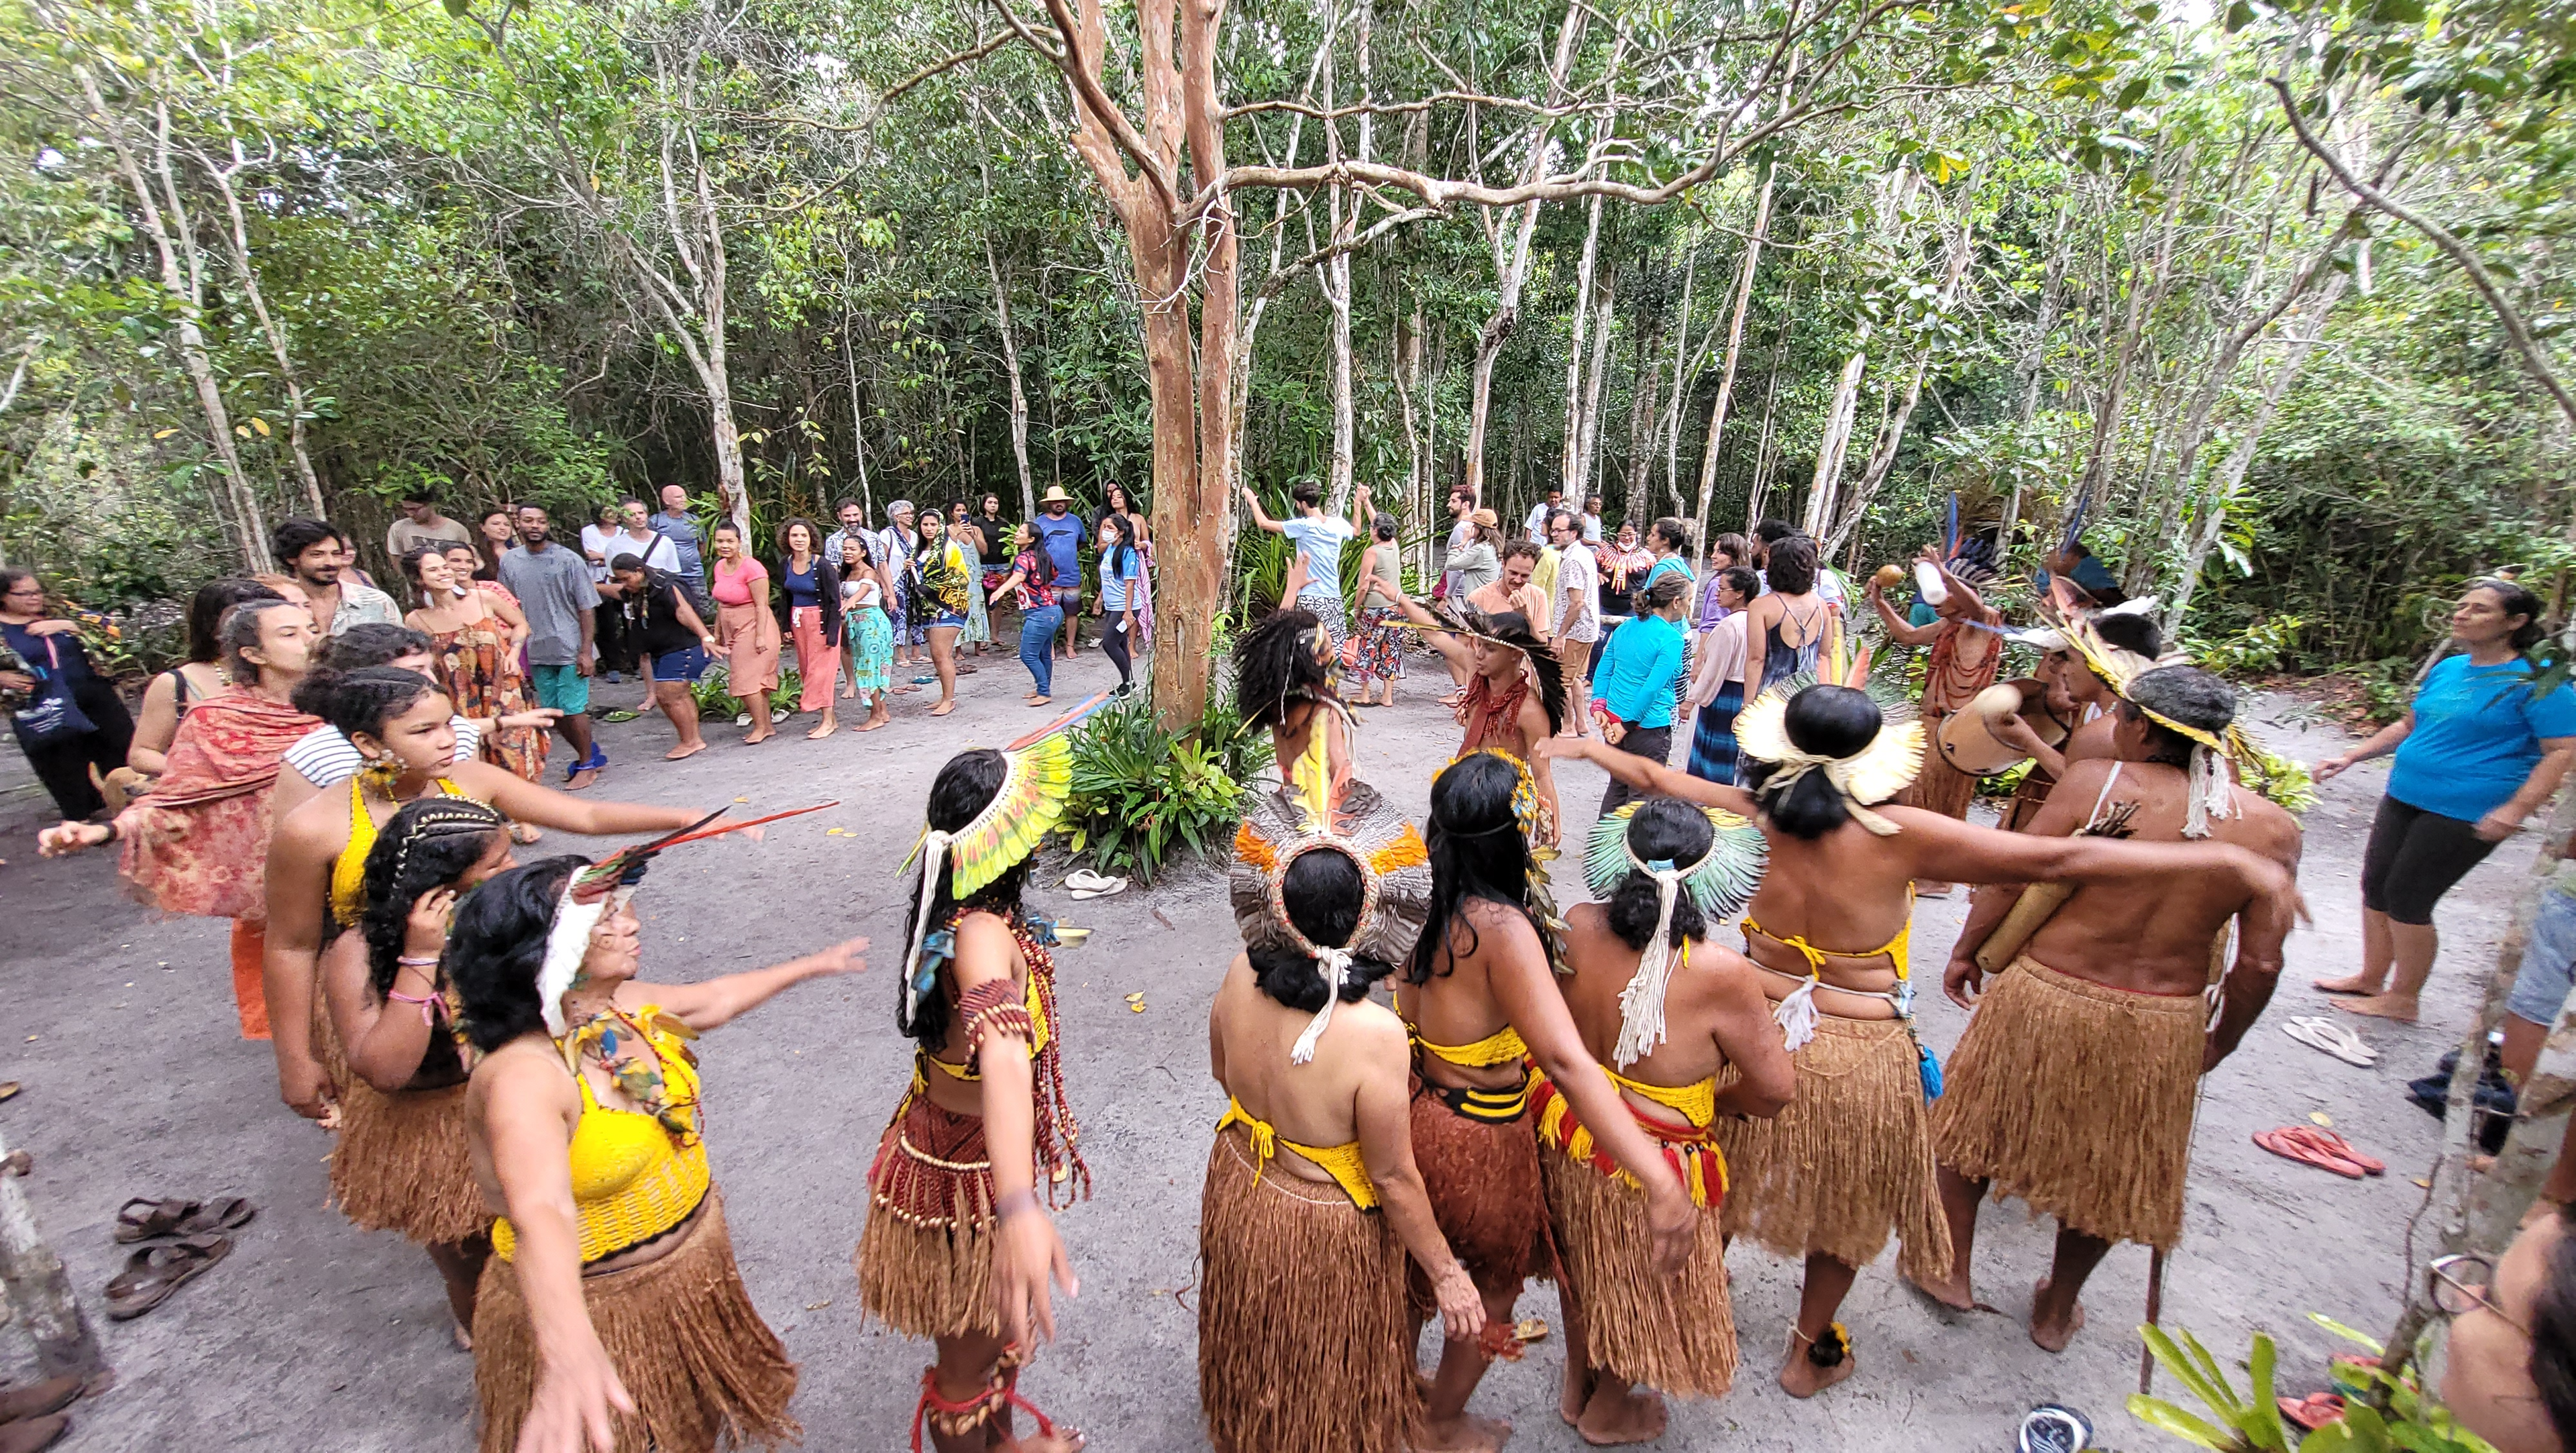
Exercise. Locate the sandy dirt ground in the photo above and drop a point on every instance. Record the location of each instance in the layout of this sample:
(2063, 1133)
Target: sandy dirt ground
(316, 1336)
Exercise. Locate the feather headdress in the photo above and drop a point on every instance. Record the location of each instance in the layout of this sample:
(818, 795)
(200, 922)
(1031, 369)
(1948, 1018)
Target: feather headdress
(1866, 778)
(1721, 883)
(1395, 885)
(1036, 779)
(2213, 748)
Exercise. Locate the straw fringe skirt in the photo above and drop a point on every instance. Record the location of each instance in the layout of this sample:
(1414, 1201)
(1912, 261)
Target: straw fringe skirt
(403, 1164)
(1939, 787)
(1849, 1162)
(1675, 1334)
(1305, 1341)
(1483, 1184)
(704, 1369)
(925, 1259)
(2078, 1099)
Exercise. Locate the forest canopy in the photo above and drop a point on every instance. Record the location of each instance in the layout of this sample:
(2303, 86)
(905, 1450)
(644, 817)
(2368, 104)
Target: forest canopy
(2269, 299)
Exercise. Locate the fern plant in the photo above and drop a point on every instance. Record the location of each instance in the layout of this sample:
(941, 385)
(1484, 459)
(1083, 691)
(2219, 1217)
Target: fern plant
(1143, 797)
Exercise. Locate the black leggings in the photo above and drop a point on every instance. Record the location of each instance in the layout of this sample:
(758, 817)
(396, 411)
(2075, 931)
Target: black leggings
(1113, 639)
(1655, 744)
(2414, 858)
(64, 766)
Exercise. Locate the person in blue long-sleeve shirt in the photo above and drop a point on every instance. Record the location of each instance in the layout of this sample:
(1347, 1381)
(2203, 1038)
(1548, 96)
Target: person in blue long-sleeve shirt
(1639, 666)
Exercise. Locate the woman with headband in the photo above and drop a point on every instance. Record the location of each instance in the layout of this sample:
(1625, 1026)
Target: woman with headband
(1515, 695)
(403, 1162)
(1849, 1163)
(1312, 1200)
(611, 1316)
(1480, 999)
(959, 1245)
(1668, 1014)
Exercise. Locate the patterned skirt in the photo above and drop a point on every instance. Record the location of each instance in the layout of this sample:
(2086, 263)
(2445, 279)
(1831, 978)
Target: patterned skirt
(1381, 651)
(872, 648)
(1713, 751)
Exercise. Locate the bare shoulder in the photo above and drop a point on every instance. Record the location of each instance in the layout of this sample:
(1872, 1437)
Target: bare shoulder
(2270, 829)
(521, 1073)
(1373, 1027)
(2086, 774)
(985, 948)
(1486, 916)
(319, 822)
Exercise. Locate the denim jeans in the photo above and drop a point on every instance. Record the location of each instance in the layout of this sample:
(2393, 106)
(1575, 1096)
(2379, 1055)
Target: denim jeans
(1037, 639)
(2540, 989)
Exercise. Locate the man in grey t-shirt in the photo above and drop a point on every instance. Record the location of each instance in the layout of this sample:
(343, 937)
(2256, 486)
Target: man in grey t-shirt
(554, 590)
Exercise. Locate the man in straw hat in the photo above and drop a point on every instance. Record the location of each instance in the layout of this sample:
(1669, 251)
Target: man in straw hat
(1060, 533)
(2075, 1084)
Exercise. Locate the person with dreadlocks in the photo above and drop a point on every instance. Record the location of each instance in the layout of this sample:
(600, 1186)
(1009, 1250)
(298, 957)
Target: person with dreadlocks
(611, 1317)
(1313, 1200)
(403, 1162)
(1487, 1021)
(401, 725)
(1515, 696)
(959, 1245)
(1667, 1013)
(2075, 1084)
(1286, 681)
(1967, 647)
(1849, 1163)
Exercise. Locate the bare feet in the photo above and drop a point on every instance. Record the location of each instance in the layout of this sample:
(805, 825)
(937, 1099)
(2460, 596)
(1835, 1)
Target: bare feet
(872, 723)
(849, 693)
(943, 708)
(457, 1333)
(2399, 1007)
(757, 738)
(2053, 1335)
(2352, 984)
(904, 690)
(1065, 1440)
(828, 727)
(683, 753)
(1622, 1417)
(587, 777)
(1800, 1377)
(1467, 1434)
(1954, 1293)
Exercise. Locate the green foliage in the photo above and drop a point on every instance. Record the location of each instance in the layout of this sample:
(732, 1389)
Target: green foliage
(2264, 645)
(1144, 797)
(2251, 1423)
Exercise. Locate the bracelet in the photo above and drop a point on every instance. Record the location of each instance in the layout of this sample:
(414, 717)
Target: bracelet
(408, 960)
(1017, 1203)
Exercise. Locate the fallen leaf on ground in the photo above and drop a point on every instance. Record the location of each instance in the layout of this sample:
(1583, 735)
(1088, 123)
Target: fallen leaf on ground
(818, 1306)
(2322, 1118)
(1530, 1329)
(2421, 1182)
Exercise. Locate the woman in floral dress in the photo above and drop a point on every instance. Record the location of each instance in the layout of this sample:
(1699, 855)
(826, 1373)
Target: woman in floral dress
(474, 639)
(865, 627)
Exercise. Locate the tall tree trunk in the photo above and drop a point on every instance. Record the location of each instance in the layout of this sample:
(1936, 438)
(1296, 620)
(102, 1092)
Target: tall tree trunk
(1685, 368)
(1405, 367)
(1019, 393)
(1891, 433)
(1758, 493)
(1736, 309)
(2095, 483)
(1579, 490)
(1644, 392)
(1837, 437)
(1571, 477)
(858, 416)
(237, 251)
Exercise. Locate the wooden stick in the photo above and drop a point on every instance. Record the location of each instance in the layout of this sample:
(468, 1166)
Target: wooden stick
(2155, 1308)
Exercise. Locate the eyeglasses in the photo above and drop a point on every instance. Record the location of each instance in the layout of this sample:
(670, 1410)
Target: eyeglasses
(2466, 1283)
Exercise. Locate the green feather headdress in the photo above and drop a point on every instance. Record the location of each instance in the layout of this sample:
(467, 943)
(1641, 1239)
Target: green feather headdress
(1721, 883)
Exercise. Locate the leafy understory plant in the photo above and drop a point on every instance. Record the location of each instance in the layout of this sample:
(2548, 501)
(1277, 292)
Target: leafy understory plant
(1143, 796)
(2410, 1421)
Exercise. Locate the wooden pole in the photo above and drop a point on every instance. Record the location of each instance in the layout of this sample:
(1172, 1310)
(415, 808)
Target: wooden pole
(40, 1292)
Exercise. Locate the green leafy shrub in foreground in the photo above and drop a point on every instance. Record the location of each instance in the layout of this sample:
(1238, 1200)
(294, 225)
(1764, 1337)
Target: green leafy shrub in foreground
(2252, 1423)
(1143, 796)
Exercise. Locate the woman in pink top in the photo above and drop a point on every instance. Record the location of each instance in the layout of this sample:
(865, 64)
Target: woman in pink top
(746, 631)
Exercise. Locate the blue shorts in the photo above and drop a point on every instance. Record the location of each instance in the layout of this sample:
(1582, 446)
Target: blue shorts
(686, 665)
(2548, 962)
(948, 618)
(562, 688)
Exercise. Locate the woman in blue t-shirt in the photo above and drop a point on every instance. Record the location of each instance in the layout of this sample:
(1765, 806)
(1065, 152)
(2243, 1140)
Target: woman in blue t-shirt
(1122, 566)
(2477, 753)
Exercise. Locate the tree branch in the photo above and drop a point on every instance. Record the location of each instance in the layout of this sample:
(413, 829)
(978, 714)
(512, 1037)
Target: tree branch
(1278, 279)
(964, 57)
(2517, 330)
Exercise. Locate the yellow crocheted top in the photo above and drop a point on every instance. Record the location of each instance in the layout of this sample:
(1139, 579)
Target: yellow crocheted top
(1501, 1047)
(349, 870)
(1342, 1162)
(1894, 949)
(631, 1179)
(1692, 1154)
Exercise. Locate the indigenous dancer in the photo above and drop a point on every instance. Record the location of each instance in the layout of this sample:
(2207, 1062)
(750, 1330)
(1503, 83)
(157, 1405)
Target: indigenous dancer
(1286, 681)
(1850, 1161)
(959, 1244)
(1655, 1000)
(2075, 1084)
(1305, 1341)
(195, 844)
(611, 1316)
(1486, 1021)
(2128, 643)
(403, 1162)
(399, 722)
(1515, 696)
(1966, 649)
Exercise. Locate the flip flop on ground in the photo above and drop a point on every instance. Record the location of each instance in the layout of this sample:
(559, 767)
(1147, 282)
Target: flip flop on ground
(2283, 1144)
(2328, 1037)
(152, 1274)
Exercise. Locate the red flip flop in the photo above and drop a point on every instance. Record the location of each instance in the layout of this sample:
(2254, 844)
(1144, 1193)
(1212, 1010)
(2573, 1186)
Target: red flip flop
(2312, 1412)
(2285, 1145)
(2334, 1144)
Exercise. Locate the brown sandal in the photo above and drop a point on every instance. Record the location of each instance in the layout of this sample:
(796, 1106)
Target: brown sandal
(152, 1274)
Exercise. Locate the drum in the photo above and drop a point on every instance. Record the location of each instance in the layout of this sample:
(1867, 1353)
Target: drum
(1967, 740)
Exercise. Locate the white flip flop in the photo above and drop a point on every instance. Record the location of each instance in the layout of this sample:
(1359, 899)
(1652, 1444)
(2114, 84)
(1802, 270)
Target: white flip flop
(1083, 880)
(2331, 1038)
(1108, 887)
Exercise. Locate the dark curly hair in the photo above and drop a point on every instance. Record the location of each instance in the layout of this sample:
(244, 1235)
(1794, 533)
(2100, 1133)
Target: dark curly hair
(1275, 666)
(1322, 892)
(497, 945)
(961, 790)
(1478, 850)
(1824, 721)
(428, 845)
(206, 612)
(1664, 829)
(362, 700)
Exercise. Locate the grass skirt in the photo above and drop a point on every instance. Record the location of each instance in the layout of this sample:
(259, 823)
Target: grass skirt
(403, 1164)
(1939, 787)
(1849, 1161)
(1483, 1184)
(1304, 1338)
(705, 1371)
(925, 1259)
(1674, 1334)
(2078, 1099)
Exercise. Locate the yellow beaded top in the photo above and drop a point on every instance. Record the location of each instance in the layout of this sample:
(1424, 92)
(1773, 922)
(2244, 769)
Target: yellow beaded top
(349, 870)
(1500, 1047)
(632, 1178)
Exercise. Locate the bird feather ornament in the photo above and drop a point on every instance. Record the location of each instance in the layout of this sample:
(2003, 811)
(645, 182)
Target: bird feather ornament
(1721, 883)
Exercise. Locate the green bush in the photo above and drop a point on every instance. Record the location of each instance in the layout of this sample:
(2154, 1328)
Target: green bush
(1143, 796)
(2252, 1423)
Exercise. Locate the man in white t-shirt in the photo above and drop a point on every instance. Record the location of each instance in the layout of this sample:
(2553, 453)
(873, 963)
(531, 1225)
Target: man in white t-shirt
(1592, 520)
(1577, 607)
(1537, 522)
(1319, 539)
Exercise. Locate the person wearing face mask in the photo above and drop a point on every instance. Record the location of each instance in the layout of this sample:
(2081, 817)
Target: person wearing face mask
(195, 844)
(612, 1314)
(400, 723)
(475, 659)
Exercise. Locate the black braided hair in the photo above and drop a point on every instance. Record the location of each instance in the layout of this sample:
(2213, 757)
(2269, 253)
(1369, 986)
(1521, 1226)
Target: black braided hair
(1322, 892)
(1664, 829)
(961, 790)
(497, 946)
(427, 845)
